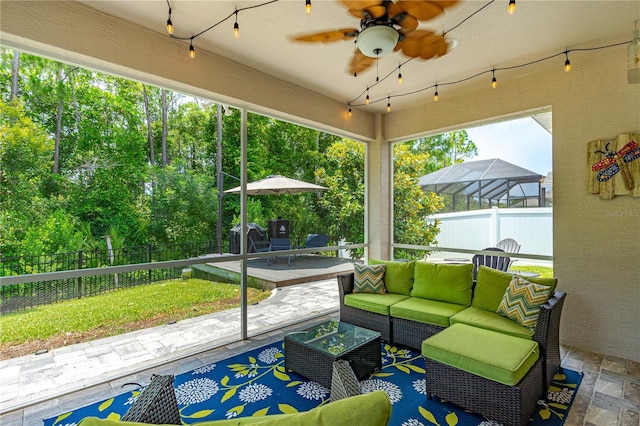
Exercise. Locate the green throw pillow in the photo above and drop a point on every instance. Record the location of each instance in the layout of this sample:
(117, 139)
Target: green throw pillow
(398, 277)
(368, 279)
(522, 300)
(446, 283)
(491, 284)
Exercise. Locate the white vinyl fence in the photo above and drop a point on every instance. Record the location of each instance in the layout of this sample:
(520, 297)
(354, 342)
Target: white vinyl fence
(478, 229)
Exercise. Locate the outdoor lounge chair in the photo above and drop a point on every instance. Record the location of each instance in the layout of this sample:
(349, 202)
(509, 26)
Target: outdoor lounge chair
(258, 246)
(278, 244)
(509, 245)
(496, 262)
(316, 240)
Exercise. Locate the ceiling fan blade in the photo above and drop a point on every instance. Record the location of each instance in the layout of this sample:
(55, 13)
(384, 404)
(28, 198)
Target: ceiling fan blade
(369, 12)
(376, 11)
(422, 10)
(418, 34)
(407, 23)
(393, 9)
(327, 36)
(412, 43)
(432, 46)
(360, 63)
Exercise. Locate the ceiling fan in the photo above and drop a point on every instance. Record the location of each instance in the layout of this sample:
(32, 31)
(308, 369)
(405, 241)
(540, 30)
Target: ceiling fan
(385, 26)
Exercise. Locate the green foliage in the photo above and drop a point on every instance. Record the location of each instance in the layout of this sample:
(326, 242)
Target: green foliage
(108, 183)
(342, 206)
(445, 149)
(169, 300)
(184, 205)
(410, 203)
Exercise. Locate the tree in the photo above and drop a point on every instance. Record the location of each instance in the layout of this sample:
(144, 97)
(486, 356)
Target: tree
(15, 72)
(411, 205)
(341, 208)
(25, 165)
(185, 204)
(445, 149)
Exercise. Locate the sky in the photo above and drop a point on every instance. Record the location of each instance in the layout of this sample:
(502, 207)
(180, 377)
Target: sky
(522, 142)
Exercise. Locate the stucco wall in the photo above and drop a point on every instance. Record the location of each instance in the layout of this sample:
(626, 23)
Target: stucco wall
(596, 242)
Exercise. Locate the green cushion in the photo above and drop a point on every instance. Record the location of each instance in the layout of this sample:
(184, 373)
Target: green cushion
(494, 356)
(425, 310)
(376, 303)
(491, 285)
(522, 300)
(398, 276)
(491, 321)
(368, 279)
(446, 283)
(371, 409)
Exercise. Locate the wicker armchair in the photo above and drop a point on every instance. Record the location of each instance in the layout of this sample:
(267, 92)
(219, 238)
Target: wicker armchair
(372, 321)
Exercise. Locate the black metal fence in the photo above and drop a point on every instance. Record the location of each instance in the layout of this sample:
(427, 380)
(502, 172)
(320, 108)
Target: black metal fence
(22, 296)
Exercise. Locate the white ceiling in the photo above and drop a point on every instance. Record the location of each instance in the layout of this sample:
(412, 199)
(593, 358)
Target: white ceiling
(490, 38)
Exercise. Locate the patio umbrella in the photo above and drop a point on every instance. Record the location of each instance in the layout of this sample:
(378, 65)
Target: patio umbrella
(276, 184)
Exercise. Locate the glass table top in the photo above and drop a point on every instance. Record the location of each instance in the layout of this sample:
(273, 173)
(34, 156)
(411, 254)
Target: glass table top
(333, 337)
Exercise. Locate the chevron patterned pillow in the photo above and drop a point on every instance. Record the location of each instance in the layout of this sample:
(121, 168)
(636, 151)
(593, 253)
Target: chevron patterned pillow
(368, 279)
(522, 300)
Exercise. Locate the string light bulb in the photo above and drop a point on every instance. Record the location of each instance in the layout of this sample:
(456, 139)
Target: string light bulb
(511, 9)
(388, 104)
(567, 63)
(192, 51)
(366, 100)
(399, 76)
(494, 82)
(349, 111)
(435, 95)
(170, 28)
(307, 7)
(236, 27)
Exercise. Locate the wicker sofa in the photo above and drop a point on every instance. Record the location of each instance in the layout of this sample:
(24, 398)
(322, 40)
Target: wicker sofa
(424, 298)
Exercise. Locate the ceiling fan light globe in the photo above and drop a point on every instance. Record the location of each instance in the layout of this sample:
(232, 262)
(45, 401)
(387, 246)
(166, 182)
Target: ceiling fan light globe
(377, 41)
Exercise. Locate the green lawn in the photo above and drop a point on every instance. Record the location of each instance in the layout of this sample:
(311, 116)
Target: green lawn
(544, 271)
(112, 313)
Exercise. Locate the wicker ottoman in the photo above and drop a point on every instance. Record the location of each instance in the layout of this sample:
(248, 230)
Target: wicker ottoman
(493, 374)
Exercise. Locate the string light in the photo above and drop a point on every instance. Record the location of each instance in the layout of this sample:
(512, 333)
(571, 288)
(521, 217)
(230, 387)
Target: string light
(307, 7)
(349, 111)
(481, 73)
(236, 27)
(170, 29)
(567, 63)
(388, 104)
(366, 101)
(399, 75)
(511, 9)
(435, 95)
(494, 82)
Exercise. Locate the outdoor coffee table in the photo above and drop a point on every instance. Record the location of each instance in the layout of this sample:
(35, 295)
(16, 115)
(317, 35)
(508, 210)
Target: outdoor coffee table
(311, 352)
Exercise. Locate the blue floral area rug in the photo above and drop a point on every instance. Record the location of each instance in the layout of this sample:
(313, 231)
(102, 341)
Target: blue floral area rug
(256, 383)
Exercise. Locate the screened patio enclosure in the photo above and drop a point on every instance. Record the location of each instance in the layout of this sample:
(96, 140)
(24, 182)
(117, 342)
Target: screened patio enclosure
(482, 184)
